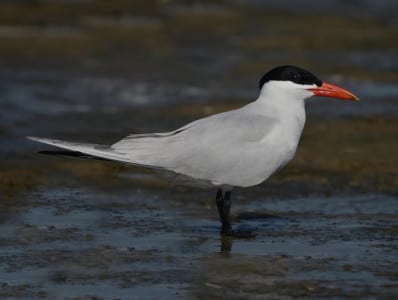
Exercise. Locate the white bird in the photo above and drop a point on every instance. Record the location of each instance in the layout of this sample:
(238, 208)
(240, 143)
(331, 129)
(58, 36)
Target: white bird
(237, 148)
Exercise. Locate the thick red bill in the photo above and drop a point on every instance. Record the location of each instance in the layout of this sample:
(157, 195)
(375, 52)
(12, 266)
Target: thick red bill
(333, 91)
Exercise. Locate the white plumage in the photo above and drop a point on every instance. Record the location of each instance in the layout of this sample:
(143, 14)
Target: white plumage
(242, 147)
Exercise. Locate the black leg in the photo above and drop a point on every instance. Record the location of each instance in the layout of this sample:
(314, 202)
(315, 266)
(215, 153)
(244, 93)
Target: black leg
(223, 201)
(224, 206)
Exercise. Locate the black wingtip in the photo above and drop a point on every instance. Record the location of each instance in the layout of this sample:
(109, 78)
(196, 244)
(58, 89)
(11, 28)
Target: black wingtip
(71, 154)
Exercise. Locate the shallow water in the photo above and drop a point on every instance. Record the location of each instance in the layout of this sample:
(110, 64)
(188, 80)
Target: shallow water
(326, 225)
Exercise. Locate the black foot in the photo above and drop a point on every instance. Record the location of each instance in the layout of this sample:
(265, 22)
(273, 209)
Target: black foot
(239, 234)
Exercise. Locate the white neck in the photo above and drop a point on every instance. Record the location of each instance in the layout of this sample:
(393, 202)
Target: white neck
(285, 92)
(284, 101)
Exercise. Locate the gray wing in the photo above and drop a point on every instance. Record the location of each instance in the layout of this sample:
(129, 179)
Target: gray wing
(203, 148)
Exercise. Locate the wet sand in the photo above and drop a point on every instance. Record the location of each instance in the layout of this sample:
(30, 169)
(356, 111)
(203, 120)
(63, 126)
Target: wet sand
(326, 226)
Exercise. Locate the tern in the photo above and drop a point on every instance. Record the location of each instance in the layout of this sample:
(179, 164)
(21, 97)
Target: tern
(236, 148)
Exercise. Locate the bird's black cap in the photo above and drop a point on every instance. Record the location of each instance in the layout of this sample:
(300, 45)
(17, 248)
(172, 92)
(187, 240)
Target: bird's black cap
(290, 73)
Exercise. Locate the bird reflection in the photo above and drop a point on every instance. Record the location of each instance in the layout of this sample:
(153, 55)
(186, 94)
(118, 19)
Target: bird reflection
(226, 245)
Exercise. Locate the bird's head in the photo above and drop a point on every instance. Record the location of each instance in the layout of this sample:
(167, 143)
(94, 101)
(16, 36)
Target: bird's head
(296, 82)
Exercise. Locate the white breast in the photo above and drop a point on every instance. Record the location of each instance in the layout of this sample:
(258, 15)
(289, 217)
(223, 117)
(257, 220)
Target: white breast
(279, 147)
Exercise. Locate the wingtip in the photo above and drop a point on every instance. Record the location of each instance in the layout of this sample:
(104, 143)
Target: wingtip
(33, 138)
(40, 140)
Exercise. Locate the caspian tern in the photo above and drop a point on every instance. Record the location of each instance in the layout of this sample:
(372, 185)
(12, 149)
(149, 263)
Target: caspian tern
(237, 148)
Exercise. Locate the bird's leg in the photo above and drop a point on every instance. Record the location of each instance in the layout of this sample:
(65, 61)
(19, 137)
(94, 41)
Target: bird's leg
(224, 206)
(223, 201)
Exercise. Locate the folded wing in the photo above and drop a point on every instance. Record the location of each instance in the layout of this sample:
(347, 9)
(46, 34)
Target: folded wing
(201, 149)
